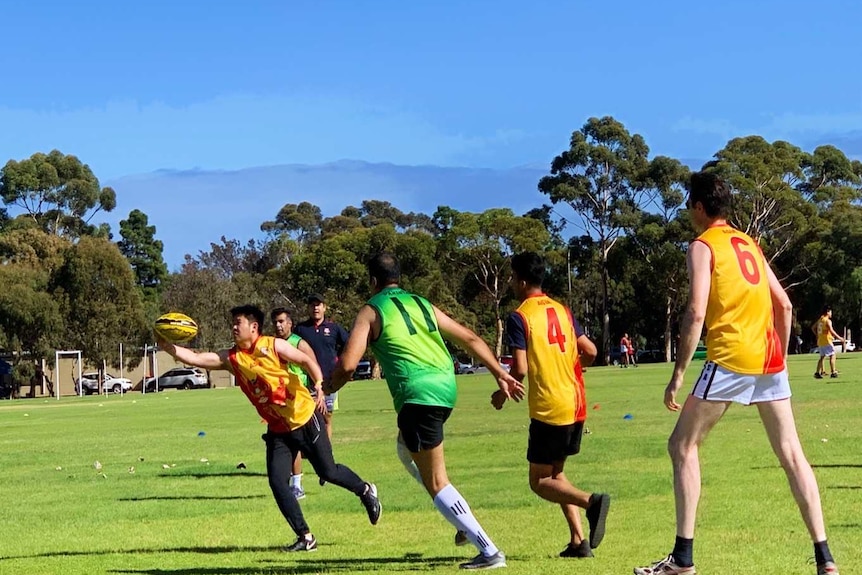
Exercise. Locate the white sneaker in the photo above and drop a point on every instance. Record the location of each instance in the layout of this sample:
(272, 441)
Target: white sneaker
(666, 566)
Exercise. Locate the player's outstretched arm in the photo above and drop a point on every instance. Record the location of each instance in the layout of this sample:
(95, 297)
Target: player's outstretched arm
(354, 349)
(205, 360)
(467, 339)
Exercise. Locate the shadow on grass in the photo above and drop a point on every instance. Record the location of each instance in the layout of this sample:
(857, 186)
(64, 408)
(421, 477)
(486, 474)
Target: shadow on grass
(407, 562)
(192, 497)
(98, 552)
(838, 466)
(206, 475)
(844, 487)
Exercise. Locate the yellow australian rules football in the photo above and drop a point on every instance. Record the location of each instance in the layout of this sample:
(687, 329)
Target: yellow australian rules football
(176, 327)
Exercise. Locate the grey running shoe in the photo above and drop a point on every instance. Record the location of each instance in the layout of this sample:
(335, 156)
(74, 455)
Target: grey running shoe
(302, 544)
(372, 503)
(597, 513)
(666, 566)
(298, 492)
(480, 561)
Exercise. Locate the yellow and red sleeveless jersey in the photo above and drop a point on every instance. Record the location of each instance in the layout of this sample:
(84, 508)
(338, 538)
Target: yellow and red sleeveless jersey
(741, 334)
(555, 391)
(824, 337)
(278, 395)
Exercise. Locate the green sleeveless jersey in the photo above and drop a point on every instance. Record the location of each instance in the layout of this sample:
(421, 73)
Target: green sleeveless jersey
(294, 340)
(410, 349)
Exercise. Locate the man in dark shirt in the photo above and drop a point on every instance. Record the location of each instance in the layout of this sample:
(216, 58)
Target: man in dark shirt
(326, 338)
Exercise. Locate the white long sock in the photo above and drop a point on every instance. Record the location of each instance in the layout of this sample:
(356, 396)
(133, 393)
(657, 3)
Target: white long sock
(296, 481)
(407, 459)
(456, 511)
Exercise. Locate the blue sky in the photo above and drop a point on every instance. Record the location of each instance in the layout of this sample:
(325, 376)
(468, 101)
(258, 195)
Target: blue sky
(133, 87)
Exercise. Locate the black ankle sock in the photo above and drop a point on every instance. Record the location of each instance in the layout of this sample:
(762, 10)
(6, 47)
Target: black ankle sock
(822, 553)
(683, 552)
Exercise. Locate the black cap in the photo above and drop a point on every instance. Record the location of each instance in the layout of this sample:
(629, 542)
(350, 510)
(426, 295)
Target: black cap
(313, 297)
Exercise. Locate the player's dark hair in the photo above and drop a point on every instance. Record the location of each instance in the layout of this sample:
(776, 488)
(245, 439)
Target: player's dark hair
(384, 267)
(712, 192)
(249, 312)
(826, 309)
(277, 312)
(529, 267)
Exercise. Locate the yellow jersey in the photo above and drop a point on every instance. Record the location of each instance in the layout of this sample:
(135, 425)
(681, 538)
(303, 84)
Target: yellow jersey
(824, 337)
(740, 325)
(278, 395)
(546, 330)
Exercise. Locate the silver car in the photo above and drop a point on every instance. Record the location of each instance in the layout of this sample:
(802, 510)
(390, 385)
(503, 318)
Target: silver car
(178, 378)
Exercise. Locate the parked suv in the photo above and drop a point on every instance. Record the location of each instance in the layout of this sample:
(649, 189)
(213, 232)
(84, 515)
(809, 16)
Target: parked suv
(363, 370)
(90, 382)
(179, 378)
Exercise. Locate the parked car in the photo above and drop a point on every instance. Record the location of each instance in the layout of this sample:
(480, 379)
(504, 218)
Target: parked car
(90, 382)
(179, 378)
(650, 356)
(464, 368)
(699, 352)
(363, 370)
(849, 346)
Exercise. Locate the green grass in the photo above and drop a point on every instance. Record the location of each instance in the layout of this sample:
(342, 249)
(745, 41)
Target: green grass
(210, 518)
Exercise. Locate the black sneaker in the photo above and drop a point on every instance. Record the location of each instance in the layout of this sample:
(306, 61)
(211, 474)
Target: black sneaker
(834, 374)
(818, 375)
(303, 543)
(372, 503)
(597, 513)
(582, 550)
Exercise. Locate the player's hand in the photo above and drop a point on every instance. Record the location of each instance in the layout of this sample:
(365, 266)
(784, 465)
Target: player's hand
(511, 387)
(320, 400)
(498, 398)
(670, 395)
(165, 345)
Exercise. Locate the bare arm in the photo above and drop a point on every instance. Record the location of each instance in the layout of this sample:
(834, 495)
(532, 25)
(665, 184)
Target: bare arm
(467, 339)
(354, 349)
(832, 332)
(205, 360)
(294, 355)
(306, 349)
(588, 350)
(782, 308)
(699, 262)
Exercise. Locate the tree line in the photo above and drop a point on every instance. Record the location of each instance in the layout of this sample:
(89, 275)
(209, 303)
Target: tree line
(614, 232)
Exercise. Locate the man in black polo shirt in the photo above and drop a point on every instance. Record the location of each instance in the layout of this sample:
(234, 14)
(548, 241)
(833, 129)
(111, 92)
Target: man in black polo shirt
(326, 338)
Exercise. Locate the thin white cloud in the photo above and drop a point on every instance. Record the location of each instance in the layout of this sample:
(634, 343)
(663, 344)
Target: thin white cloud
(236, 131)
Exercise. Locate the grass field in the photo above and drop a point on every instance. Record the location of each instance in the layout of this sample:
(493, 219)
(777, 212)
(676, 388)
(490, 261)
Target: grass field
(187, 509)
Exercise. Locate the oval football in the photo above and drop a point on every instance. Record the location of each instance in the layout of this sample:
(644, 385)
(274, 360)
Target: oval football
(176, 327)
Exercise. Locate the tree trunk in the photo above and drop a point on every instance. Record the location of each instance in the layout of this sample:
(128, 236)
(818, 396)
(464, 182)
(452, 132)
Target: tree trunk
(606, 318)
(668, 313)
(498, 348)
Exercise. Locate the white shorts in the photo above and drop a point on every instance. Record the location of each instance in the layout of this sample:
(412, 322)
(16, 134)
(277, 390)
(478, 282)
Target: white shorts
(718, 384)
(827, 350)
(624, 350)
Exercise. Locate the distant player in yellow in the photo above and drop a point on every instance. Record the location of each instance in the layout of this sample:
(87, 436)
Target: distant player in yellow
(260, 365)
(826, 334)
(546, 343)
(748, 318)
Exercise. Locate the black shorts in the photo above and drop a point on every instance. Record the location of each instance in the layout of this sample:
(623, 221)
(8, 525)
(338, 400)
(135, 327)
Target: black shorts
(421, 426)
(552, 443)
